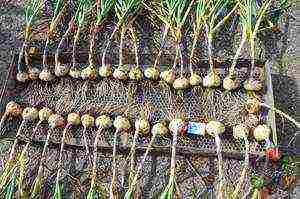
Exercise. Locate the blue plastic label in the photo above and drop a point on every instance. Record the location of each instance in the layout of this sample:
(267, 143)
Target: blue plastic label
(196, 128)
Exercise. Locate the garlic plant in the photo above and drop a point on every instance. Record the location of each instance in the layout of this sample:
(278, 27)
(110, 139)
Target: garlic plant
(182, 10)
(102, 122)
(59, 9)
(200, 13)
(164, 11)
(135, 73)
(211, 25)
(176, 126)
(251, 15)
(122, 125)
(128, 8)
(83, 8)
(126, 11)
(43, 116)
(157, 129)
(11, 109)
(72, 120)
(29, 114)
(54, 121)
(62, 69)
(32, 10)
(215, 128)
(142, 127)
(87, 121)
(103, 9)
(240, 132)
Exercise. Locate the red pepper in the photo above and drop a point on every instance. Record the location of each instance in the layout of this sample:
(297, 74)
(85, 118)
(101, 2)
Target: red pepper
(273, 153)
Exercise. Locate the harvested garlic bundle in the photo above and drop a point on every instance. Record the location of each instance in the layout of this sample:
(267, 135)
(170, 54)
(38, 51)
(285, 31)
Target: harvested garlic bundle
(33, 73)
(142, 126)
(121, 73)
(253, 84)
(87, 120)
(195, 79)
(212, 79)
(22, 76)
(73, 118)
(61, 70)
(160, 129)
(261, 132)
(44, 114)
(103, 122)
(252, 105)
(46, 75)
(105, 71)
(56, 121)
(181, 83)
(152, 73)
(136, 74)
(89, 73)
(13, 108)
(121, 123)
(240, 131)
(30, 114)
(75, 73)
(231, 83)
(168, 76)
(214, 128)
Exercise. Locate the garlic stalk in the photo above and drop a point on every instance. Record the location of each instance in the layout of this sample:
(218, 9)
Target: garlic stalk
(102, 122)
(54, 121)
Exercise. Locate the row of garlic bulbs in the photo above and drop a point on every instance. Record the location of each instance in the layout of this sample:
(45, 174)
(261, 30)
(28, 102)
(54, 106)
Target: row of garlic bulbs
(142, 125)
(123, 73)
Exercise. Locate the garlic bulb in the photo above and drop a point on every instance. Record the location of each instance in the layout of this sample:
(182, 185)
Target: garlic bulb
(120, 73)
(121, 123)
(240, 131)
(13, 108)
(253, 84)
(22, 77)
(44, 114)
(103, 121)
(160, 129)
(214, 128)
(61, 69)
(252, 105)
(34, 73)
(142, 126)
(152, 73)
(212, 79)
(56, 121)
(177, 125)
(75, 73)
(261, 132)
(181, 83)
(195, 79)
(87, 120)
(30, 114)
(73, 118)
(46, 75)
(89, 73)
(136, 74)
(168, 76)
(105, 71)
(230, 83)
